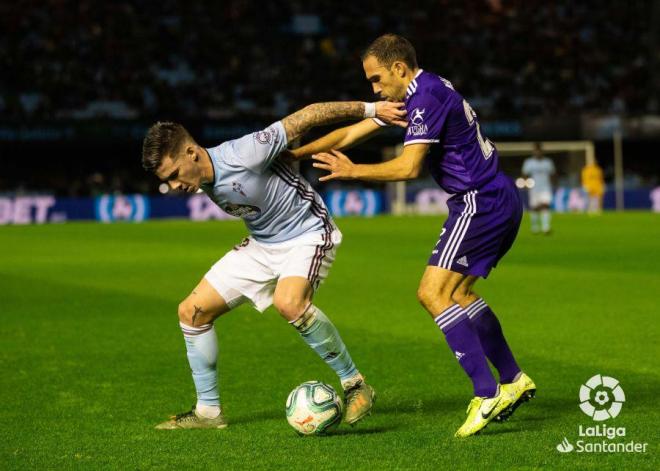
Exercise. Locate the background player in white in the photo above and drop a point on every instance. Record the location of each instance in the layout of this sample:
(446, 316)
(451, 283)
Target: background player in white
(291, 247)
(540, 169)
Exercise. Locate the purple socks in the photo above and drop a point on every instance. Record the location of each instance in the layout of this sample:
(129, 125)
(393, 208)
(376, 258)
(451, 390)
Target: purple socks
(492, 340)
(463, 340)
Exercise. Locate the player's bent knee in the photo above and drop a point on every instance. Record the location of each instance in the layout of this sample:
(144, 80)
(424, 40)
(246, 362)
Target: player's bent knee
(194, 316)
(185, 312)
(463, 295)
(432, 298)
(422, 295)
(426, 299)
(290, 307)
(464, 299)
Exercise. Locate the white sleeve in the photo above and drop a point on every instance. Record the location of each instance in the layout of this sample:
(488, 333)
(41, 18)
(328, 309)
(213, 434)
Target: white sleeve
(525, 167)
(256, 151)
(551, 167)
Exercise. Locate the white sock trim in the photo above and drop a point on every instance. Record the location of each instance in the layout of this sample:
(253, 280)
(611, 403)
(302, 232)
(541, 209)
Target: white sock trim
(474, 308)
(306, 319)
(207, 411)
(352, 381)
(194, 331)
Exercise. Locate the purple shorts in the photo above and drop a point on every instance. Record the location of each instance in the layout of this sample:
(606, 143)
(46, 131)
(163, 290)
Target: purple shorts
(481, 227)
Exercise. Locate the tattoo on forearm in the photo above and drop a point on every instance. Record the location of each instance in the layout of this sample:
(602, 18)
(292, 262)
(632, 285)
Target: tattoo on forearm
(320, 114)
(198, 311)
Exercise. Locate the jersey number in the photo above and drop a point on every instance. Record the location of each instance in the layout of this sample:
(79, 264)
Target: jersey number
(487, 147)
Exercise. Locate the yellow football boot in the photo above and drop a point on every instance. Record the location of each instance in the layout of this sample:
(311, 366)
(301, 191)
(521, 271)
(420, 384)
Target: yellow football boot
(521, 390)
(482, 410)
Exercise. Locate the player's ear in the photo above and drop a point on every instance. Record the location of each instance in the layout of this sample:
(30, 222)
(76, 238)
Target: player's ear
(399, 69)
(190, 152)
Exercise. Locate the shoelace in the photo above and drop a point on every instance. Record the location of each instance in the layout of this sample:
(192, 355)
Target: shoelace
(349, 393)
(185, 415)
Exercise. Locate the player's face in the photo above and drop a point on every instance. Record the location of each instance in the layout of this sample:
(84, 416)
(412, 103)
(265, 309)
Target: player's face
(385, 82)
(181, 174)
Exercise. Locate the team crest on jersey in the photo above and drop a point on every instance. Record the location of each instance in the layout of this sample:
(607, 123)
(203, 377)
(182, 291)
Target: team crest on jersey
(417, 126)
(266, 136)
(263, 137)
(418, 116)
(241, 210)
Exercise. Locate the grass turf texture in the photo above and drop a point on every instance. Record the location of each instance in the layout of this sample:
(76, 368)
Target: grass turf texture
(92, 356)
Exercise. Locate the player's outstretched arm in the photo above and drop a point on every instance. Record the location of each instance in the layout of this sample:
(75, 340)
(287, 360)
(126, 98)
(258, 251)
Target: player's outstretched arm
(339, 139)
(406, 166)
(320, 114)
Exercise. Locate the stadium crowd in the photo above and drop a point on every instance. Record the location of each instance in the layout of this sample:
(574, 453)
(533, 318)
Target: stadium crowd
(124, 59)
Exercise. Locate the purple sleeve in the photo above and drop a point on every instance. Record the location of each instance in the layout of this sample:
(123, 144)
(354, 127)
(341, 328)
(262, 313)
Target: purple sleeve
(426, 117)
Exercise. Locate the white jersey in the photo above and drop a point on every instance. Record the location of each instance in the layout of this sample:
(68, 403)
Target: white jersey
(273, 200)
(540, 171)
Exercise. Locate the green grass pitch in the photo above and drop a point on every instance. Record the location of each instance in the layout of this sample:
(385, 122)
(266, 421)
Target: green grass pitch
(92, 356)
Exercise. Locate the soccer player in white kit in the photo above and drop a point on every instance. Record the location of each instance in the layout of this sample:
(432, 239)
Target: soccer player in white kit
(292, 244)
(540, 169)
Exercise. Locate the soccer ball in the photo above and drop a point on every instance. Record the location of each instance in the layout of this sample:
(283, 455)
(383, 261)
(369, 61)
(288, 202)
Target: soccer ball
(314, 408)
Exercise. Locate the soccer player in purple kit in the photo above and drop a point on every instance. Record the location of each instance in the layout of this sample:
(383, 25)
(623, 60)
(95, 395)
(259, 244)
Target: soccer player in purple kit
(484, 216)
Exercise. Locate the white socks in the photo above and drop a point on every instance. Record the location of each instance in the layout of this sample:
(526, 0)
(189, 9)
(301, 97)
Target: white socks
(208, 412)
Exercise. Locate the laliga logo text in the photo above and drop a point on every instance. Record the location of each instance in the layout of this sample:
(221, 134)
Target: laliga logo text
(601, 398)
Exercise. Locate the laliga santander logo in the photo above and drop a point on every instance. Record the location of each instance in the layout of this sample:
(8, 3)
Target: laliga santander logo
(601, 397)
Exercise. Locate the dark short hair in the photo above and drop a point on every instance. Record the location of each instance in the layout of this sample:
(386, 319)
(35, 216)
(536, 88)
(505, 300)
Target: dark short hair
(389, 48)
(163, 138)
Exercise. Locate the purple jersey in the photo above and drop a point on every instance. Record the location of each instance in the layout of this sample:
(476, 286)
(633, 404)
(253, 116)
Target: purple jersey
(463, 158)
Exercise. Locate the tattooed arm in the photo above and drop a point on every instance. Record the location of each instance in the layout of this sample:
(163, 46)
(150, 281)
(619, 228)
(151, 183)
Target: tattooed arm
(321, 114)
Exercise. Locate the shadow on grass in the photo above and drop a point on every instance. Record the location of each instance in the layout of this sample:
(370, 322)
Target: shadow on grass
(261, 416)
(363, 431)
(495, 430)
(266, 415)
(362, 428)
(418, 406)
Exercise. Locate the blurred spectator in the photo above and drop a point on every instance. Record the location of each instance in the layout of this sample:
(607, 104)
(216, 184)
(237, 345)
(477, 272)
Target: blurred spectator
(128, 59)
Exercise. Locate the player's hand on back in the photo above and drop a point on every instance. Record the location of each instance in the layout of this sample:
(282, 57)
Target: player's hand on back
(393, 113)
(335, 162)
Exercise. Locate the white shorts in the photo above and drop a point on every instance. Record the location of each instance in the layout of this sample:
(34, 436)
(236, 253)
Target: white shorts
(251, 270)
(538, 198)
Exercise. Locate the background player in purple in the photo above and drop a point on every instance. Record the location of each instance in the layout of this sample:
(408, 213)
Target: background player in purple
(484, 215)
